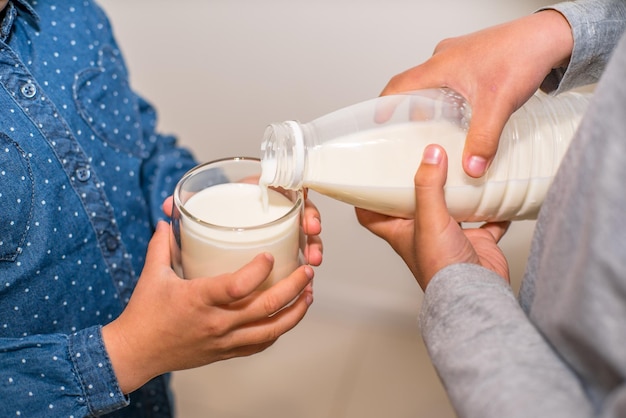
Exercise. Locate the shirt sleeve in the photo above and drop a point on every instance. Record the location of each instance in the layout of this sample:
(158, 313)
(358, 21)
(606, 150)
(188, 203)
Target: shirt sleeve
(164, 166)
(34, 378)
(597, 26)
(491, 359)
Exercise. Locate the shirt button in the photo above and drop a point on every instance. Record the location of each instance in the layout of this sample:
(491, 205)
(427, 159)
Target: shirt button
(29, 89)
(111, 243)
(83, 174)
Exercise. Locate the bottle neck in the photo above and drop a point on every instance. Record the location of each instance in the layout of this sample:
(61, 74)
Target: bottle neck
(283, 155)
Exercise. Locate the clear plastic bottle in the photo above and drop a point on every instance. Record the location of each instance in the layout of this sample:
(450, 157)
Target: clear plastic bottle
(367, 154)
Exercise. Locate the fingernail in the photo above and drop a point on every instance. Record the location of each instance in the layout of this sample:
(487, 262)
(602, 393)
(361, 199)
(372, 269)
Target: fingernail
(476, 166)
(269, 257)
(432, 155)
(308, 290)
(308, 271)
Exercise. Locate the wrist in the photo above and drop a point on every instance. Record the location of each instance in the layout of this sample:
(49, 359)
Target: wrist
(126, 360)
(555, 28)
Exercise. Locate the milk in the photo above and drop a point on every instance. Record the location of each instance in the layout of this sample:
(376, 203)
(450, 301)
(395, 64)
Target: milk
(229, 225)
(374, 169)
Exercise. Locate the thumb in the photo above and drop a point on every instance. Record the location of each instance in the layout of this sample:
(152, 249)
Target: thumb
(159, 246)
(488, 121)
(431, 212)
(230, 287)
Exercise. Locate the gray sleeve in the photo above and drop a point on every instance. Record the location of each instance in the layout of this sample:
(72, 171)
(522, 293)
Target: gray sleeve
(597, 26)
(492, 361)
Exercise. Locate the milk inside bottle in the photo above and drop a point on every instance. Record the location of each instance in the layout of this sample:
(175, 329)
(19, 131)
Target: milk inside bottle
(367, 154)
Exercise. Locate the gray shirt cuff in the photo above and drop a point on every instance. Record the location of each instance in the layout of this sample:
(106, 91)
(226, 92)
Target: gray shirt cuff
(597, 26)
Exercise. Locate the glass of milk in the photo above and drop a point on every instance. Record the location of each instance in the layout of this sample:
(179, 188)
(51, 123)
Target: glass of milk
(222, 218)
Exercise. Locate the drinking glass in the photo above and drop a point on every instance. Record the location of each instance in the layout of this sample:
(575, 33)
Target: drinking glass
(221, 220)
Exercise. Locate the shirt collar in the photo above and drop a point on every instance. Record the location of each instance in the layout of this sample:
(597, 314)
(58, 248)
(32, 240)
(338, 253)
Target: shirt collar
(13, 8)
(26, 6)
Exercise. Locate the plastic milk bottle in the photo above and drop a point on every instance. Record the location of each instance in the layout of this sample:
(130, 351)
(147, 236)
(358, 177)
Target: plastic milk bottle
(367, 154)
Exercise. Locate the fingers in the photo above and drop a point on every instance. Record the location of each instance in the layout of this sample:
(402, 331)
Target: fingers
(314, 250)
(385, 108)
(380, 225)
(416, 78)
(283, 292)
(312, 225)
(228, 288)
(258, 322)
(312, 219)
(167, 206)
(237, 289)
(496, 229)
(258, 335)
(489, 116)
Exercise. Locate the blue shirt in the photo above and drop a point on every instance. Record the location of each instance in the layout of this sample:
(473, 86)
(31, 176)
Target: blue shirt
(82, 178)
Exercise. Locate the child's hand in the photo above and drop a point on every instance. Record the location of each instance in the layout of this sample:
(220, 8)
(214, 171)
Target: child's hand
(312, 225)
(497, 70)
(172, 324)
(433, 239)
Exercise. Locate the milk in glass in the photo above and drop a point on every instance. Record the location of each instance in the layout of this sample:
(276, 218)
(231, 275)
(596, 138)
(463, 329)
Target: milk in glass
(227, 225)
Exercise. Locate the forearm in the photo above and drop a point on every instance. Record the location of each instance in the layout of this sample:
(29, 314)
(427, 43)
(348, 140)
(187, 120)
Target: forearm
(132, 367)
(596, 27)
(491, 359)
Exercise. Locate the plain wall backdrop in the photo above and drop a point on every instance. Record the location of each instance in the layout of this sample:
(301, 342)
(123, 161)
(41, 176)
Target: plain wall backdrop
(219, 71)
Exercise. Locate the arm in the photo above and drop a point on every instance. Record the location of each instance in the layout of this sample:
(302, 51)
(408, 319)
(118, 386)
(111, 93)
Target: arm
(596, 26)
(491, 359)
(84, 391)
(61, 374)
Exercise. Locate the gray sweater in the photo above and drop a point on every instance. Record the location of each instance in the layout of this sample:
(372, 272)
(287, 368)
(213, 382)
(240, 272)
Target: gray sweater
(559, 350)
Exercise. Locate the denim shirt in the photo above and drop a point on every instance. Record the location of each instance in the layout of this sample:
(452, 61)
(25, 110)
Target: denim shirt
(83, 175)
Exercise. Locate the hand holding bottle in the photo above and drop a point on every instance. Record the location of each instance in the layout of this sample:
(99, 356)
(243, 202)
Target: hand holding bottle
(433, 239)
(497, 70)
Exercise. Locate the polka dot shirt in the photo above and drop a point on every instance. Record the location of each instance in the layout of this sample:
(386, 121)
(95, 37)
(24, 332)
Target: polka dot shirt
(82, 178)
